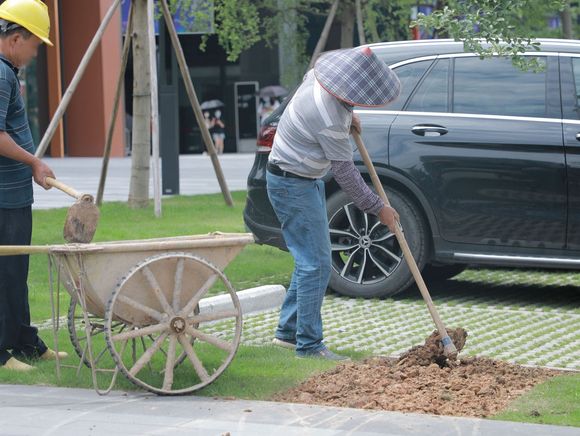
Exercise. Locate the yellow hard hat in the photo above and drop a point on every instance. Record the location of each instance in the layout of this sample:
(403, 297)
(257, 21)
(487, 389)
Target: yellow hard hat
(30, 14)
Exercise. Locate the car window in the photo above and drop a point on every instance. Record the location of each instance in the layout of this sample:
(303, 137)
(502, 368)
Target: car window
(576, 78)
(432, 94)
(497, 87)
(409, 75)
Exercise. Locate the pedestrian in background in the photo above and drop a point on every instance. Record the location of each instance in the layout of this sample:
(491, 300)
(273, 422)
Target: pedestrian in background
(218, 131)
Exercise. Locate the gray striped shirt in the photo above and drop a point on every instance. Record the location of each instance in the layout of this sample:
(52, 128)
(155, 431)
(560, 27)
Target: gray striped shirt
(313, 130)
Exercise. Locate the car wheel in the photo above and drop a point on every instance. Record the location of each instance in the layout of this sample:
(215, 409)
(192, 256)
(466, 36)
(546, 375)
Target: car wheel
(434, 273)
(367, 260)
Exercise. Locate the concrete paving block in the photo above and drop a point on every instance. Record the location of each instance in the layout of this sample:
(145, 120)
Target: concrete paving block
(252, 300)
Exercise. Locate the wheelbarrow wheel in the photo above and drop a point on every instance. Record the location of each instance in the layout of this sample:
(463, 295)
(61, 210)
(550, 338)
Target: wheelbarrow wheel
(78, 336)
(78, 333)
(160, 298)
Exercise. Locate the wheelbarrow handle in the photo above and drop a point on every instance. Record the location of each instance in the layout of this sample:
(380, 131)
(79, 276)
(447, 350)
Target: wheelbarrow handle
(15, 250)
(64, 188)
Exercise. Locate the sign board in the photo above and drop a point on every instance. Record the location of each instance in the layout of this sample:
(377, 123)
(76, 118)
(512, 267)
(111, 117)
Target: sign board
(197, 19)
(246, 98)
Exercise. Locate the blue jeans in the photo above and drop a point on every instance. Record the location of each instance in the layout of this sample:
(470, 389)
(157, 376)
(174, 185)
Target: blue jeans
(300, 206)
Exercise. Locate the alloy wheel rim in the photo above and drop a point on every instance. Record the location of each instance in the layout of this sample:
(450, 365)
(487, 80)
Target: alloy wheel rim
(364, 251)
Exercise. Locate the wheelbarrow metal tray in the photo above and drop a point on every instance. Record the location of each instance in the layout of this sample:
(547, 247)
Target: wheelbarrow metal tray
(104, 265)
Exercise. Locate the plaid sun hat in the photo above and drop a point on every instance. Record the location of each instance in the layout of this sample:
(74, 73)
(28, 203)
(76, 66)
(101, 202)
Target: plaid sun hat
(357, 77)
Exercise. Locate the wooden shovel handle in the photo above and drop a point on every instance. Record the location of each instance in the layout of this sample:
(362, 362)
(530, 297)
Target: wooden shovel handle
(64, 188)
(449, 347)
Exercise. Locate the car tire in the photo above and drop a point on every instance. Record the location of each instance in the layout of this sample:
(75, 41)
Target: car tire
(438, 273)
(378, 268)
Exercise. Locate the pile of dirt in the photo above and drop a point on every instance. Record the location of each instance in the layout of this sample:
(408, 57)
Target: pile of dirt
(422, 380)
(432, 350)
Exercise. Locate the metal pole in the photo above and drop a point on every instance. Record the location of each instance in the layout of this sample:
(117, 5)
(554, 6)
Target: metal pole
(154, 107)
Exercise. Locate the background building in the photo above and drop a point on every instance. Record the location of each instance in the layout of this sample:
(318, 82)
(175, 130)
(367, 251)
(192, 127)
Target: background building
(83, 131)
(84, 128)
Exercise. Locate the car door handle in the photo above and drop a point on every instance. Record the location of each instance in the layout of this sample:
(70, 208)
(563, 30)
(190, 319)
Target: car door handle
(428, 130)
(577, 136)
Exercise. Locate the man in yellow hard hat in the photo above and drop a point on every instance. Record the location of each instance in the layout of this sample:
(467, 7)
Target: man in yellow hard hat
(24, 25)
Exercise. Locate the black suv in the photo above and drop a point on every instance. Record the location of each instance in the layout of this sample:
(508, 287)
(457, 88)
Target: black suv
(480, 158)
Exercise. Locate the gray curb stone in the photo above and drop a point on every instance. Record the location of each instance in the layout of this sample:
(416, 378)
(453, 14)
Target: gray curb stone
(253, 300)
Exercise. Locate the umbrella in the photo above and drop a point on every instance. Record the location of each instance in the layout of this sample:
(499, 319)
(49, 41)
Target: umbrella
(211, 104)
(273, 91)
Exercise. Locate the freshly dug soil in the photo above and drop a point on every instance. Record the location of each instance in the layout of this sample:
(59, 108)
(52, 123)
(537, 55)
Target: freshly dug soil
(422, 380)
(432, 350)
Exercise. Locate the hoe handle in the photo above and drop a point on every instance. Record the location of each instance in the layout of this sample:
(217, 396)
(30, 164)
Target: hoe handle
(64, 188)
(449, 348)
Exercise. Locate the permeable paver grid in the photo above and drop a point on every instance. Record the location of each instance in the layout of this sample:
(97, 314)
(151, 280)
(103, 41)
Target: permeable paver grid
(528, 317)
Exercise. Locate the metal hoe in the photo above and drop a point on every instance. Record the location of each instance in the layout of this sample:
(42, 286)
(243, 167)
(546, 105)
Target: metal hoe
(82, 217)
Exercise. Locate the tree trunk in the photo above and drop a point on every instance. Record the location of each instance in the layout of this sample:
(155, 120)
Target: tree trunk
(347, 20)
(442, 33)
(566, 16)
(141, 132)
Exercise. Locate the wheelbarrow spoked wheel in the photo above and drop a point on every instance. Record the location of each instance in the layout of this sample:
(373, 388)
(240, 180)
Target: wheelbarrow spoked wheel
(161, 298)
(78, 336)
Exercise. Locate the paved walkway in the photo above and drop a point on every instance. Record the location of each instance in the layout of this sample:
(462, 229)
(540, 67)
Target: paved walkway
(196, 176)
(44, 411)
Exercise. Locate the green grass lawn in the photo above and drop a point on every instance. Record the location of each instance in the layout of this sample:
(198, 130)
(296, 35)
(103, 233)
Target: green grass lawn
(556, 401)
(256, 372)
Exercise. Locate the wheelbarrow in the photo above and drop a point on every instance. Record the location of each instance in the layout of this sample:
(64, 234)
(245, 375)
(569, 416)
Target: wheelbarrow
(135, 308)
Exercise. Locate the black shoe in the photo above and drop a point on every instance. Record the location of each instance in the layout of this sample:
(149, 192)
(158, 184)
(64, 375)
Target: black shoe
(290, 344)
(324, 354)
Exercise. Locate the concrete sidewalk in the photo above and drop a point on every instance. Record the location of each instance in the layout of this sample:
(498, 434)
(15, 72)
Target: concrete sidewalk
(36, 410)
(196, 176)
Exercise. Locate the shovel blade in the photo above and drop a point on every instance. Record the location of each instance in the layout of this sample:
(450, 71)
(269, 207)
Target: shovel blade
(81, 221)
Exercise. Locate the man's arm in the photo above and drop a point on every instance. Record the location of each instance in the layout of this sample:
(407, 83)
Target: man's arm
(351, 182)
(11, 150)
(348, 177)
